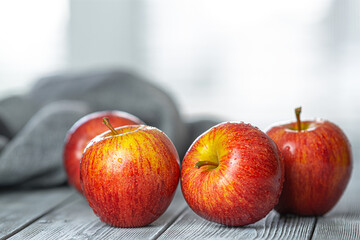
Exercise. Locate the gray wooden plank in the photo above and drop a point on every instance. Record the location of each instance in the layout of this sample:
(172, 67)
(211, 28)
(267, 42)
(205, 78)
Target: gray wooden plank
(343, 222)
(20, 208)
(273, 226)
(76, 220)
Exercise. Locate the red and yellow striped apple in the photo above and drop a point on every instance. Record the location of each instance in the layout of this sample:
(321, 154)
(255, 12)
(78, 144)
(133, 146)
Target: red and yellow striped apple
(80, 135)
(318, 164)
(129, 175)
(232, 174)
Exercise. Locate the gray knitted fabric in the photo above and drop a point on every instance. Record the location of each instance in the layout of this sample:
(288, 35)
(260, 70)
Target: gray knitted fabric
(33, 126)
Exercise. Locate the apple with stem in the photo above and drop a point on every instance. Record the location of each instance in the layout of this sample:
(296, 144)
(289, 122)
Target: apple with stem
(129, 175)
(80, 135)
(232, 174)
(318, 164)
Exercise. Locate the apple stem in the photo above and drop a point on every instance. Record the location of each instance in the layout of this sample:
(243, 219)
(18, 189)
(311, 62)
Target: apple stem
(203, 163)
(297, 112)
(107, 123)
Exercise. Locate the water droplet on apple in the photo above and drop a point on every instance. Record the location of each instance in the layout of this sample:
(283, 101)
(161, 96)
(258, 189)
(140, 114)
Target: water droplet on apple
(289, 147)
(120, 160)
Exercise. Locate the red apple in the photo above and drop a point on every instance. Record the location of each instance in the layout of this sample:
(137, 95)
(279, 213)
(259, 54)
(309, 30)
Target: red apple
(129, 175)
(232, 174)
(80, 135)
(318, 163)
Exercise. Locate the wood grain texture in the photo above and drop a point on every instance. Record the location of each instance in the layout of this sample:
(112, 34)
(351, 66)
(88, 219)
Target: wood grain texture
(273, 226)
(76, 220)
(20, 208)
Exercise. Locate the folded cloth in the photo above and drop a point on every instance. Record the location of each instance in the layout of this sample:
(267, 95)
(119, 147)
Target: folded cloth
(33, 126)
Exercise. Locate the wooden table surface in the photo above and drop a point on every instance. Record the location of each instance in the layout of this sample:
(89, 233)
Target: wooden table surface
(62, 213)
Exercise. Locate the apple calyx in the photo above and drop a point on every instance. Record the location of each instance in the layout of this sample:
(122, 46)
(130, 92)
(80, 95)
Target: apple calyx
(297, 113)
(107, 123)
(199, 164)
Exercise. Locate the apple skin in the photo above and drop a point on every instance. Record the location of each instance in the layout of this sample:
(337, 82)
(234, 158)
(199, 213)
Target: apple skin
(246, 184)
(80, 135)
(129, 179)
(318, 165)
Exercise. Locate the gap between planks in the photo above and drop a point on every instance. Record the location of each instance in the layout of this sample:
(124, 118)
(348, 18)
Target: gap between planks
(313, 229)
(169, 224)
(64, 202)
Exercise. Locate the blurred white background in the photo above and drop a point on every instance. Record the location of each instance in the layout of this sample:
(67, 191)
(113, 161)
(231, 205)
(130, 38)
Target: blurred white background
(252, 61)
